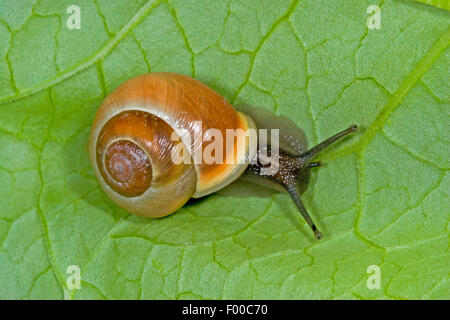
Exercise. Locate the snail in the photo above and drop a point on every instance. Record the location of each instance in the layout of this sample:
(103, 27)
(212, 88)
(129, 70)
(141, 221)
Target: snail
(141, 125)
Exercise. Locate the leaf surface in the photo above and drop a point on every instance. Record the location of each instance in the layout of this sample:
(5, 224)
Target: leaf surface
(381, 199)
(444, 4)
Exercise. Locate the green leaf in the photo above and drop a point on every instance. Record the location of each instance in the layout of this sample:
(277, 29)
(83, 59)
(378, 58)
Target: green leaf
(381, 199)
(444, 4)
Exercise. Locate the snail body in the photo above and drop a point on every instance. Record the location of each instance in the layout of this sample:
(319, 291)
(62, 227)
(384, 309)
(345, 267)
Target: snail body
(138, 126)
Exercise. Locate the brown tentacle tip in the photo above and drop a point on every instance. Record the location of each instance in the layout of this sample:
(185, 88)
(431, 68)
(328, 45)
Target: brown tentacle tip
(318, 235)
(353, 128)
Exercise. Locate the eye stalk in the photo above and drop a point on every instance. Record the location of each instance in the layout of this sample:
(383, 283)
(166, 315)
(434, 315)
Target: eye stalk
(294, 173)
(311, 153)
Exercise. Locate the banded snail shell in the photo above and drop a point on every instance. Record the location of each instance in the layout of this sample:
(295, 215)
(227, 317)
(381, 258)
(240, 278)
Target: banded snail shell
(132, 140)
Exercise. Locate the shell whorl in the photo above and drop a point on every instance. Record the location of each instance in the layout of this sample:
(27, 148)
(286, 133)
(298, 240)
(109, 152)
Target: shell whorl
(133, 136)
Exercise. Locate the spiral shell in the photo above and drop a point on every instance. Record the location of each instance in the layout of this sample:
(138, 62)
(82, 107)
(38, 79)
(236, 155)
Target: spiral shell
(132, 140)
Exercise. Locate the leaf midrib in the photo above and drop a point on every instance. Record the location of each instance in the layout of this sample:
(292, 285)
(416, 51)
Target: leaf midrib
(134, 21)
